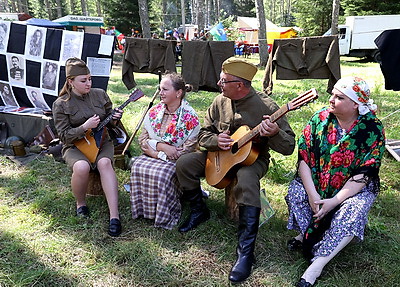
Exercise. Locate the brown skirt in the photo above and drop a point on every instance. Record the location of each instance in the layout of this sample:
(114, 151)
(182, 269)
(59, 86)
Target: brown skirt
(72, 154)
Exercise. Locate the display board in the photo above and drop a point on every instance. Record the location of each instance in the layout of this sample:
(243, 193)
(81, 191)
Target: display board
(32, 64)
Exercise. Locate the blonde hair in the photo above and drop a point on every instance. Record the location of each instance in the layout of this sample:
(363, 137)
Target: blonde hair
(67, 88)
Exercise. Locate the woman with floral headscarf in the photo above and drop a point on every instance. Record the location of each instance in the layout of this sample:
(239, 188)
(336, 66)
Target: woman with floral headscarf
(170, 129)
(340, 152)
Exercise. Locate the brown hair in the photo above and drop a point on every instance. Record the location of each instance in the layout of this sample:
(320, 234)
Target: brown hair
(178, 83)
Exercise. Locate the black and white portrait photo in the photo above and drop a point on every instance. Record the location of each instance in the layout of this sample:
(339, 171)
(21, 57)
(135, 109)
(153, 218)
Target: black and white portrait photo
(71, 45)
(7, 95)
(16, 66)
(36, 98)
(35, 40)
(4, 32)
(49, 75)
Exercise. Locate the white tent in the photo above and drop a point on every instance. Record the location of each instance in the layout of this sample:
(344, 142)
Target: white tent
(88, 24)
(250, 27)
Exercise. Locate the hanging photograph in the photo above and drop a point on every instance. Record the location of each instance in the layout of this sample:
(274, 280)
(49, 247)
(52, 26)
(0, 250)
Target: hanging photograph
(50, 77)
(7, 95)
(99, 66)
(4, 32)
(16, 69)
(35, 40)
(36, 98)
(71, 45)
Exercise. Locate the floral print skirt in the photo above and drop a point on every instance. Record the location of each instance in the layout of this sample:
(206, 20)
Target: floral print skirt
(349, 220)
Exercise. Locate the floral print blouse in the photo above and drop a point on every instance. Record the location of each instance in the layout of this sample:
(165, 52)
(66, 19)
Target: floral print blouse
(334, 157)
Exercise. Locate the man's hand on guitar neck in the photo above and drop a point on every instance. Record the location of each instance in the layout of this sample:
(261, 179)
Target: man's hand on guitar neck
(224, 140)
(268, 128)
(91, 122)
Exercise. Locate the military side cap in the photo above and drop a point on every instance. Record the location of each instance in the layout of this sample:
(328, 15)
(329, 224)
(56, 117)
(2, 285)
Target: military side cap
(239, 68)
(75, 67)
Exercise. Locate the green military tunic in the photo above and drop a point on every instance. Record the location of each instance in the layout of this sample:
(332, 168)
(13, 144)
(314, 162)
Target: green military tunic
(226, 114)
(70, 113)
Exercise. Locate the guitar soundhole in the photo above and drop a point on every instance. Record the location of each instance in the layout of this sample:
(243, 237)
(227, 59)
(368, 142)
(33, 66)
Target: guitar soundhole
(235, 148)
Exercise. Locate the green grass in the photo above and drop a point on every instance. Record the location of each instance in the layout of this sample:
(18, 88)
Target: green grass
(42, 243)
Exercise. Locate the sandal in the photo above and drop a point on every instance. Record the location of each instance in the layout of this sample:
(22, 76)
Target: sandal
(82, 211)
(294, 244)
(115, 228)
(302, 282)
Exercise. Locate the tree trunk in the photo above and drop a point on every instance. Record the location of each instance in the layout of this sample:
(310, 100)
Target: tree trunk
(270, 9)
(335, 16)
(193, 9)
(183, 16)
(164, 13)
(6, 6)
(207, 13)
(14, 7)
(83, 5)
(144, 18)
(48, 8)
(25, 7)
(211, 14)
(262, 33)
(200, 14)
(98, 8)
(59, 9)
(19, 4)
(218, 9)
(72, 4)
(288, 13)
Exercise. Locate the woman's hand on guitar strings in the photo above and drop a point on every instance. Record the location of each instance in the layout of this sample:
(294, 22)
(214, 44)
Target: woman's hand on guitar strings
(91, 122)
(224, 140)
(268, 128)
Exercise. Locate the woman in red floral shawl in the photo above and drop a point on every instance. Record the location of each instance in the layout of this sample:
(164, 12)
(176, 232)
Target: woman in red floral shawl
(340, 152)
(170, 129)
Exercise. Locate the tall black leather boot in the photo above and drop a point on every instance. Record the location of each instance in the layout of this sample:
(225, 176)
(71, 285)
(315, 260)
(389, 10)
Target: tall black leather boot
(249, 217)
(199, 212)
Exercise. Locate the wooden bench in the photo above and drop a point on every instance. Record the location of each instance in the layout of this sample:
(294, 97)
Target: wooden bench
(232, 208)
(95, 189)
(94, 185)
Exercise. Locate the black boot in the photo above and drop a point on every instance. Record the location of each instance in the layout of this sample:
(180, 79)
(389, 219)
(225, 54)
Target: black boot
(199, 212)
(249, 217)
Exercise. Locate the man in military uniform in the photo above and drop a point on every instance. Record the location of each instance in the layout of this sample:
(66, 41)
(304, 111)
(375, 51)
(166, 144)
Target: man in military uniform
(237, 105)
(16, 72)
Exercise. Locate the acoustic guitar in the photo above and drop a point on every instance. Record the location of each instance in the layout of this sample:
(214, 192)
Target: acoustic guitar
(219, 163)
(92, 142)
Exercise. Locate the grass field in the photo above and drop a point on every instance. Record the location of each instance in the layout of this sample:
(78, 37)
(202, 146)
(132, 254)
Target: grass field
(42, 243)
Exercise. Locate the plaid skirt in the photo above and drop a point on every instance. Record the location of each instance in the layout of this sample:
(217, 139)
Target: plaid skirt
(155, 192)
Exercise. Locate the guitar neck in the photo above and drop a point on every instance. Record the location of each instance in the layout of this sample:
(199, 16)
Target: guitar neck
(104, 122)
(256, 131)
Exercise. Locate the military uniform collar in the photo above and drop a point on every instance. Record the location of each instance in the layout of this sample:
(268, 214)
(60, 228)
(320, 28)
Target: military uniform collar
(249, 95)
